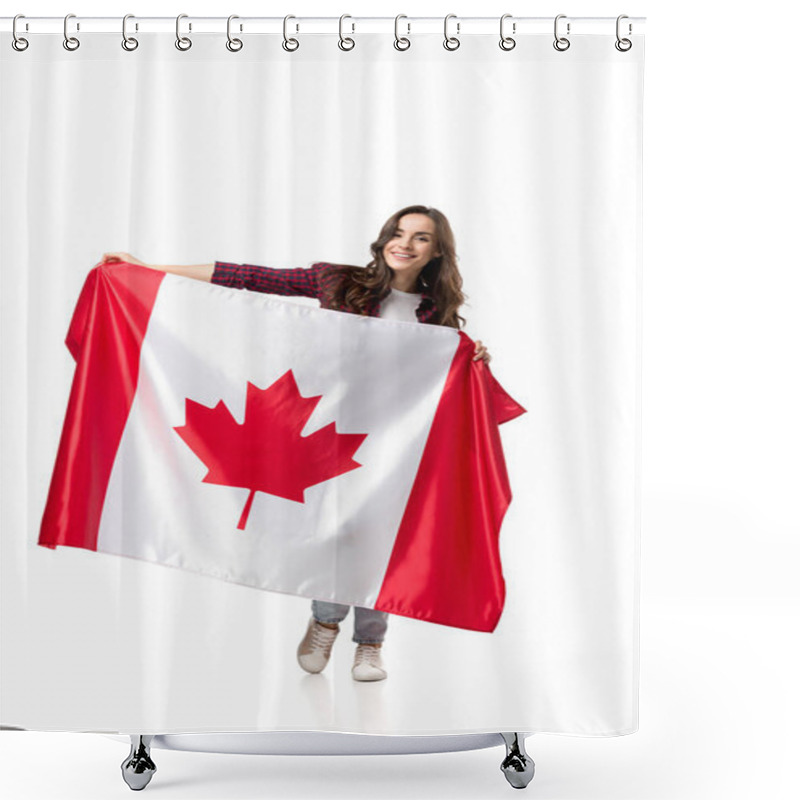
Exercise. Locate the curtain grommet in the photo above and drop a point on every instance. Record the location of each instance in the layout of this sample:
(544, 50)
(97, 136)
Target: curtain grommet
(561, 43)
(451, 42)
(401, 43)
(507, 42)
(70, 43)
(183, 43)
(345, 42)
(128, 43)
(233, 45)
(19, 43)
(289, 44)
(622, 44)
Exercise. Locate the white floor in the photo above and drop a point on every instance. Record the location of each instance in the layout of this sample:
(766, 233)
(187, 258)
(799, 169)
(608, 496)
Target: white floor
(719, 705)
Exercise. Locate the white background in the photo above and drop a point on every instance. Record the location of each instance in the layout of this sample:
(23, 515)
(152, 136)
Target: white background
(720, 526)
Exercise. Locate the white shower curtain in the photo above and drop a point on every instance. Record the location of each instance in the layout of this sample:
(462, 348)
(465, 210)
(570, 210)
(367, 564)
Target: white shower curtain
(287, 159)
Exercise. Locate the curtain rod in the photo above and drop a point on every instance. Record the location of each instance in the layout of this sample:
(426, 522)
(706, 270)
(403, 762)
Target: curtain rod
(326, 25)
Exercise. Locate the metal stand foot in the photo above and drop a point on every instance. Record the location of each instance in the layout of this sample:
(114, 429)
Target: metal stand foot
(138, 768)
(517, 766)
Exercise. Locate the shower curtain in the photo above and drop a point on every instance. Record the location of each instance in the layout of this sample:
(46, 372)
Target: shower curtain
(188, 463)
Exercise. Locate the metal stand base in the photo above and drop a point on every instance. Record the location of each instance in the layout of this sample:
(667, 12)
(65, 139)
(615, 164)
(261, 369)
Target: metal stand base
(138, 768)
(517, 766)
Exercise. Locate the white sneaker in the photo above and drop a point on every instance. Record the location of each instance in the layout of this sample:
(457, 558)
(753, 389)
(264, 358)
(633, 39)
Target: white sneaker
(315, 649)
(367, 665)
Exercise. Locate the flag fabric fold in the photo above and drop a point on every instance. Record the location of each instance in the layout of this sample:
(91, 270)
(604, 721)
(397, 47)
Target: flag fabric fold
(284, 447)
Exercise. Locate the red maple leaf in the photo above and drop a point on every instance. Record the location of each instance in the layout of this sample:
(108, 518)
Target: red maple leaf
(266, 453)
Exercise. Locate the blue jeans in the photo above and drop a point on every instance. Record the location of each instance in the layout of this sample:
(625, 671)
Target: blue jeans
(369, 626)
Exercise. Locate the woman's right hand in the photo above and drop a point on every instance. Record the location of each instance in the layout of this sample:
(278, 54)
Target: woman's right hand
(127, 257)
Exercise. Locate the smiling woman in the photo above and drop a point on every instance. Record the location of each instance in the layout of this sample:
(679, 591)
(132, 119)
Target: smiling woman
(412, 277)
(414, 253)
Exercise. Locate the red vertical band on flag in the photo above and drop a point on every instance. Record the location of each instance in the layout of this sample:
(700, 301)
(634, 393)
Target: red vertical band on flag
(445, 566)
(105, 338)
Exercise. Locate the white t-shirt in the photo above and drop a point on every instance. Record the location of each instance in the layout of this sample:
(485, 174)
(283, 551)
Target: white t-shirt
(400, 305)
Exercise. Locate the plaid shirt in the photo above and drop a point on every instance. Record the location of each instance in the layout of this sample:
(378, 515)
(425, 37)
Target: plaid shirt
(314, 281)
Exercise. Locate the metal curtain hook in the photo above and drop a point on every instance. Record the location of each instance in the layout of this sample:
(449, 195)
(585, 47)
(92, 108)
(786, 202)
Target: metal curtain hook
(290, 45)
(451, 42)
(401, 43)
(128, 42)
(346, 43)
(17, 42)
(506, 42)
(234, 45)
(623, 45)
(182, 42)
(561, 43)
(70, 42)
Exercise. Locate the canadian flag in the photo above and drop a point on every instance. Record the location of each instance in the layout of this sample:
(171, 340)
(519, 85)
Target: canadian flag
(282, 446)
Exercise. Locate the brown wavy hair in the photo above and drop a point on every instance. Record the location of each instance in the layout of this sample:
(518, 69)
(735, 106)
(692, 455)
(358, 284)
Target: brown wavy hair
(440, 278)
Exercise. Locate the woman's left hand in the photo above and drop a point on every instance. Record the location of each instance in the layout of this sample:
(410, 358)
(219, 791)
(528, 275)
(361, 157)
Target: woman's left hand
(481, 352)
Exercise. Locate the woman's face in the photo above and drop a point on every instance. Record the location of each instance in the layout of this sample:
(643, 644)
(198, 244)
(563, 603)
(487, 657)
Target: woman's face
(413, 244)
